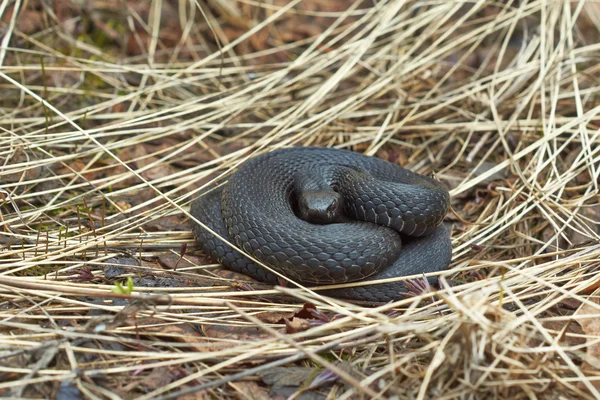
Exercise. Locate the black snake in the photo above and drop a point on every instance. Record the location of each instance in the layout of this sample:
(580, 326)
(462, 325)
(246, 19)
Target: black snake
(324, 216)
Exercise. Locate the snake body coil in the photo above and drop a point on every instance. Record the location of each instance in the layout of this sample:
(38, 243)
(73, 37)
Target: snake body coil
(325, 216)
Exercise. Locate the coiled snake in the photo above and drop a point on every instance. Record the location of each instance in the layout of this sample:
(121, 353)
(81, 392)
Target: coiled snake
(324, 216)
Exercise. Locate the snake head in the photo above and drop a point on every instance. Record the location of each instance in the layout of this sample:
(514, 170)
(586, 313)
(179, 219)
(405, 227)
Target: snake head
(320, 206)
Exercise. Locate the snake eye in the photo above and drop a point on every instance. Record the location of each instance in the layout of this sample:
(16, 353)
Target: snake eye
(333, 205)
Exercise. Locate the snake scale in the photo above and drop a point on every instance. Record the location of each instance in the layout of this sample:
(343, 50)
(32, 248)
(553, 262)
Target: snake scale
(324, 216)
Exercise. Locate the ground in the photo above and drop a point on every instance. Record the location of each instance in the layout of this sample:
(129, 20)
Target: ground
(116, 114)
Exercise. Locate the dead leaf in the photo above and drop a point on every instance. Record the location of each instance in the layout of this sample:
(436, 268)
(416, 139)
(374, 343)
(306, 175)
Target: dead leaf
(555, 245)
(168, 223)
(285, 382)
(274, 317)
(169, 261)
(250, 391)
(183, 333)
(143, 160)
(24, 174)
(579, 179)
(487, 166)
(123, 205)
(310, 311)
(589, 215)
(571, 336)
(297, 325)
(570, 303)
(235, 332)
(201, 395)
(157, 378)
(30, 21)
(81, 167)
(240, 281)
(233, 276)
(588, 318)
(231, 13)
(288, 376)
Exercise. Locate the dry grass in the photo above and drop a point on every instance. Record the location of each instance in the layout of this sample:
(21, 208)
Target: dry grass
(103, 152)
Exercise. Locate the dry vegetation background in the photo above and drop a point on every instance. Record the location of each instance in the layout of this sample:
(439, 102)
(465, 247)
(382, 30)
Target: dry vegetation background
(114, 114)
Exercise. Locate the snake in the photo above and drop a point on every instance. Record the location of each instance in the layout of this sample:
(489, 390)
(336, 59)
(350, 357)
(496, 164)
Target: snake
(325, 216)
